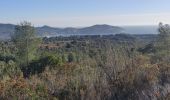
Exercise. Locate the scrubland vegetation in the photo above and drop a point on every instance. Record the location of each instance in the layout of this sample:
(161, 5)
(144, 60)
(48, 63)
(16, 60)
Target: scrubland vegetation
(108, 67)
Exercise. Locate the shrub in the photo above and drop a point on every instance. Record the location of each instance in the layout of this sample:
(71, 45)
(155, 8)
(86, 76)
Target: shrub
(71, 57)
(38, 66)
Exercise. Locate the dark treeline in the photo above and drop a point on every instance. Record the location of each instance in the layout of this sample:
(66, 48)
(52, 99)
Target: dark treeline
(91, 67)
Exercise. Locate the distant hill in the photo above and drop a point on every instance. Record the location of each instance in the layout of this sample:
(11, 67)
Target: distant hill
(7, 29)
(46, 31)
(92, 30)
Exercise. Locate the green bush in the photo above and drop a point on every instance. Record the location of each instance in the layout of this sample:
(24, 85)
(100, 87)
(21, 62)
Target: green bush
(71, 57)
(38, 66)
(53, 60)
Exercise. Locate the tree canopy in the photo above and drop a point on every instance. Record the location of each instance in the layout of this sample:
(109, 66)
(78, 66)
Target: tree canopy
(26, 42)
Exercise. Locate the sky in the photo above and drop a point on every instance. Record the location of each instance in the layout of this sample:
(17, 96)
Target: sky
(78, 13)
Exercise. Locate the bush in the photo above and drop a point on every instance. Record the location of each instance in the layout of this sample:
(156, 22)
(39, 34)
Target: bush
(38, 66)
(9, 69)
(20, 89)
(53, 60)
(71, 57)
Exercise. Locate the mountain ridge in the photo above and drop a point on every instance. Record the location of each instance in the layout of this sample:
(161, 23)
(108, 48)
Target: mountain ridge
(6, 30)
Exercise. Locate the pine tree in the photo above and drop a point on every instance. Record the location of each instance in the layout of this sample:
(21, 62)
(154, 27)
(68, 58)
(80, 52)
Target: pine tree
(26, 42)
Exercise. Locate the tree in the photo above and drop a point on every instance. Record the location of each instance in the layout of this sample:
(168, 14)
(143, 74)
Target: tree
(163, 42)
(26, 42)
(162, 45)
(164, 34)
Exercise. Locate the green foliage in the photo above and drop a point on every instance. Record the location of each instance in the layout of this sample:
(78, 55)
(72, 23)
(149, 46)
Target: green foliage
(52, 60)
(9, 69)
(26, 42)
(38, 66)
(71, 57)
(64, 58)
(163, 42)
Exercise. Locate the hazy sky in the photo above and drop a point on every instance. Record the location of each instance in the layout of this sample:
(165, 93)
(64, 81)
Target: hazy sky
(62, 13)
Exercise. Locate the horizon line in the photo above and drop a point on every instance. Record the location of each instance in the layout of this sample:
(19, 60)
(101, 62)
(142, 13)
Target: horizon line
(73, 26)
